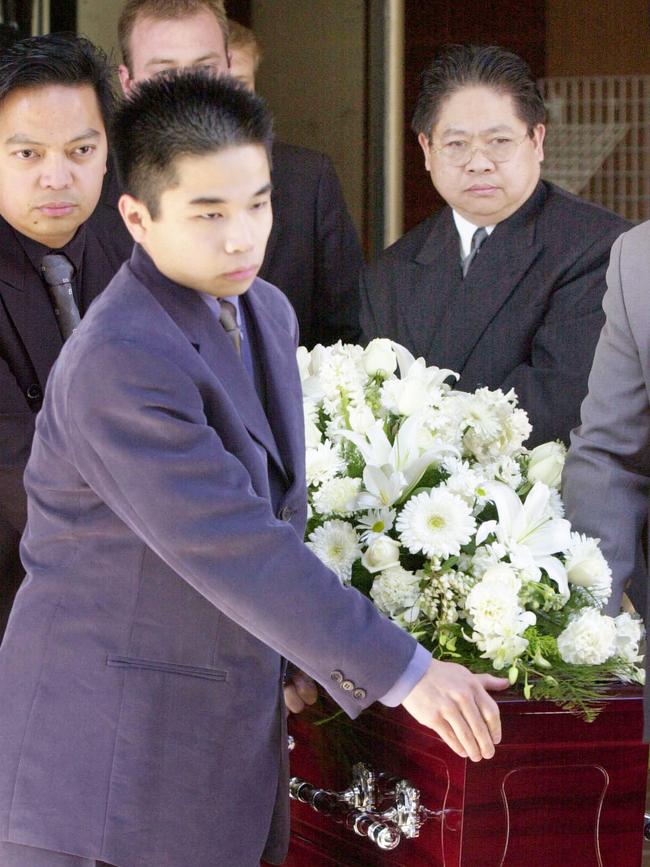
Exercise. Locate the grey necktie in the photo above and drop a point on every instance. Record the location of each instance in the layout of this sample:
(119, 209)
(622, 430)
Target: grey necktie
(478, 238)
(57, 272)
(228, 318)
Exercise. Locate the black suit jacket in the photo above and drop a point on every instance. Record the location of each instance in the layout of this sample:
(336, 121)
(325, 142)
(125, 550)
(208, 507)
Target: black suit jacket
(313, 254)
(528, 314)
(30, 341)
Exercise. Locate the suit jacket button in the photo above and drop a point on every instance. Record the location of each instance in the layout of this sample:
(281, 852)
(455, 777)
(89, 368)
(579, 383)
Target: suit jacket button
(286, 513)
(337, 676)
(347, 685)
(359, 694)
(34, 391)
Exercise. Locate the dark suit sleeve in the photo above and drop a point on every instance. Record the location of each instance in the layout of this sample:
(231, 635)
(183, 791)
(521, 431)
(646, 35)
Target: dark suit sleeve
(606, 479)
(16, 434)
(337, 265)
(553, 383)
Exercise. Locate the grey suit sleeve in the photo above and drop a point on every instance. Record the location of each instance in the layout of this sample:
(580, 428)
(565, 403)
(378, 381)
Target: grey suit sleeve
(143, 445)
(607, 475)
(553, 383)
(337, 264)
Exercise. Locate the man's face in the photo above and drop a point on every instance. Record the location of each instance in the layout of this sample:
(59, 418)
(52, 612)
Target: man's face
(242, 67)
(483, 191)
(213, 224)
(52, 160)
(174, 43)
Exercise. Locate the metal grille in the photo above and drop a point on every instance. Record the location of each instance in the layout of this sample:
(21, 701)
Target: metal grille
(598, 140)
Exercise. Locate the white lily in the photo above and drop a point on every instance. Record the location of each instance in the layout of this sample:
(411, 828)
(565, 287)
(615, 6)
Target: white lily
(417, 388)
(529, 531)
(392, 470)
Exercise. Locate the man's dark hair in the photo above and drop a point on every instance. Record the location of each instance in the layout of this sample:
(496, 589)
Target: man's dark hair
(182, 113)
(71, 61)
(457, 66)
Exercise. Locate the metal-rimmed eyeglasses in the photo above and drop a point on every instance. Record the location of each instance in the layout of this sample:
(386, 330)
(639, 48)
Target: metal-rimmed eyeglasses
(459, 152)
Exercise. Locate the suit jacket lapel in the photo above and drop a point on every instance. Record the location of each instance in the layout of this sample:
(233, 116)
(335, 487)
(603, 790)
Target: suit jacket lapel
(190, 313)
(277, 355)
(434, 278)
(28, 305)
(466, 312)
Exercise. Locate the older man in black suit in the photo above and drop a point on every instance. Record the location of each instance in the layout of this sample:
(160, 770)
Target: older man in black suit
(55, 99)
(505, 284)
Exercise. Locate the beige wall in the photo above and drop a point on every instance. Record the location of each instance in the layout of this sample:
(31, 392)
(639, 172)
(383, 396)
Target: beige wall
(597, 37)
(312, 75)
(97, 19)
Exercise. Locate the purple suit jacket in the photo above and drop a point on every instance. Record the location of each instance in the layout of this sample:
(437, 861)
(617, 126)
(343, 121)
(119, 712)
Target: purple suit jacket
(142, 719)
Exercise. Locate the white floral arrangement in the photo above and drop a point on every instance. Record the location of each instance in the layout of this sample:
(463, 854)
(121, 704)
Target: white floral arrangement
(425, 499)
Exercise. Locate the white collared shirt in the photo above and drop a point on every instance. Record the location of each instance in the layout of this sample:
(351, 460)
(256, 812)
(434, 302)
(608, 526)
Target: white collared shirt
(466, 231)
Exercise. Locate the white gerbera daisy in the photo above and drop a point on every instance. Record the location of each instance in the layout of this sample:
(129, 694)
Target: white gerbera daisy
(337, 545)
(436, 523)
(375, 523)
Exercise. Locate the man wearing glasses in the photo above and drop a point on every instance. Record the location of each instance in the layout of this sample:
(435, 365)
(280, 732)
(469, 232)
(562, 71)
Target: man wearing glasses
(505, 284)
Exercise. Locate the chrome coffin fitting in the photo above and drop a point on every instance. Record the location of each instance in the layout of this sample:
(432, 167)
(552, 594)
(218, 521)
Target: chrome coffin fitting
(377, 806)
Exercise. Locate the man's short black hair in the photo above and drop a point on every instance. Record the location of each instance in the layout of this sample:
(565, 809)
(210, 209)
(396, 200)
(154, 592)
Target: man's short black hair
(182, 113)
(71, 61)
(458, 66)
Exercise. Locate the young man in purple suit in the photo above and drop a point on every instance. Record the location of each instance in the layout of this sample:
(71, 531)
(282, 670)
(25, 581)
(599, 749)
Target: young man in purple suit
(142, 718)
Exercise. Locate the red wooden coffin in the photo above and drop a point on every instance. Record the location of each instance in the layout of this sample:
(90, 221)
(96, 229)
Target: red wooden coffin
(559, 791)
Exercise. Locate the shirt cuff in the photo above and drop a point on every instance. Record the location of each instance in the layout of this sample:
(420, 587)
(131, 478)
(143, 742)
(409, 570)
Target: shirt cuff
(413, 673)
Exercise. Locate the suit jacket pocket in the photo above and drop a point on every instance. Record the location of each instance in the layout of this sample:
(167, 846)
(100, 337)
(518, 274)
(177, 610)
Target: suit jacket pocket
(167, 667)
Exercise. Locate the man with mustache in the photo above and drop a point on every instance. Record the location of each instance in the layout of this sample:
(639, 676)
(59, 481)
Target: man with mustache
(505, 284)
(55, 101)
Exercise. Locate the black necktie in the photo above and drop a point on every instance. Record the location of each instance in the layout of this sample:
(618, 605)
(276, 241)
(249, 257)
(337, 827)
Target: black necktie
(478, 238)
(57, 272)
(228, 318)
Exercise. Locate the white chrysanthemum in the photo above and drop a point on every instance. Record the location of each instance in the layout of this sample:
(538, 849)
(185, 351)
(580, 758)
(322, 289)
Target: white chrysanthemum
(494, 427)
(337, 496)
(629, 632)
(588, 639)
(497, 617)
(586, 567)
(375, 523)
(436, 523)
(323, 463)
(505, 469)
(395, 590)
(555, 504)
(337, 545)
(466, 483)
(341, 370)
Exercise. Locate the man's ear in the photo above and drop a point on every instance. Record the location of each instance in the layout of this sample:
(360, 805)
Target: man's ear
(539, 132)
(425, 144)
(135, 215)
(125, 79)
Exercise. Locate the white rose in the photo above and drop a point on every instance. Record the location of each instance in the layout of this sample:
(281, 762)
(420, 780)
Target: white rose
(379, 357)
(546, 464)
(586, 567)
(588, 639)
(629, 632)
(382, 553)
